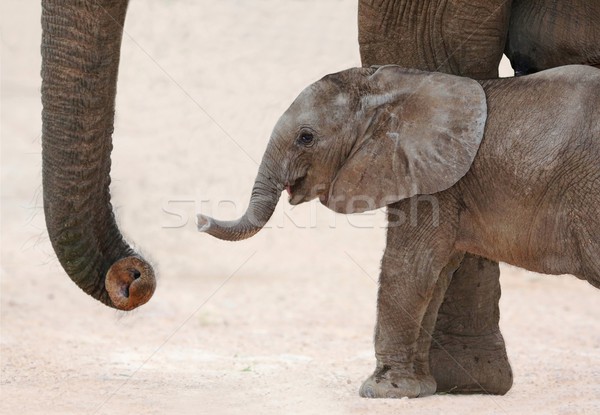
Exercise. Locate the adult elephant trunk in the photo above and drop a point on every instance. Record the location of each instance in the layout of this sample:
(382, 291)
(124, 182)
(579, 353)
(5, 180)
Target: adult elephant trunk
(265, 195)
(81, 43)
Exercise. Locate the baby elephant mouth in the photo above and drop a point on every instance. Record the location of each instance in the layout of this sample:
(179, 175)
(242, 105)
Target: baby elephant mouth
(294, 189)
(298, 193)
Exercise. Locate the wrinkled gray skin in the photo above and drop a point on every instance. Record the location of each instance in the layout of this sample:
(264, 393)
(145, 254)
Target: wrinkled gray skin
(467, 38)
(544, 34)
(81, 41)
(439, 151)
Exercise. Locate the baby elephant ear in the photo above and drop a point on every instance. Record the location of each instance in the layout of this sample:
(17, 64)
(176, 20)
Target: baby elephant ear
(418, 134)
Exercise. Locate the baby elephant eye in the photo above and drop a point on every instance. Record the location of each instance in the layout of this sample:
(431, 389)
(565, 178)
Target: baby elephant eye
(306, 138)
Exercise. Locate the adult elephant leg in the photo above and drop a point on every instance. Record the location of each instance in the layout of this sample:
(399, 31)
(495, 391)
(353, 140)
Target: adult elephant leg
(465, 38)
(81, 42)
(468, 354)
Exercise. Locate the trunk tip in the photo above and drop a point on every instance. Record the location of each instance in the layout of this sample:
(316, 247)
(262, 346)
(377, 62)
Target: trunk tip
(203, 223)
(130, 283)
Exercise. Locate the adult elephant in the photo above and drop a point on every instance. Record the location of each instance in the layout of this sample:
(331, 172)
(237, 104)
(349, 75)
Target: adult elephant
(468, 37)
(80, 51)
(81, 44)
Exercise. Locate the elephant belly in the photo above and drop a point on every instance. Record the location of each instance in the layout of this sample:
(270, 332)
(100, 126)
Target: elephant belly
(540, 239)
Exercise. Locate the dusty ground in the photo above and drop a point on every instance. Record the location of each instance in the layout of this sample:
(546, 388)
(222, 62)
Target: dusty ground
(281, 323)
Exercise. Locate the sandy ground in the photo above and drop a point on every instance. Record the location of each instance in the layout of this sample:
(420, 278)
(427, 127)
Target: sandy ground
(281, 323)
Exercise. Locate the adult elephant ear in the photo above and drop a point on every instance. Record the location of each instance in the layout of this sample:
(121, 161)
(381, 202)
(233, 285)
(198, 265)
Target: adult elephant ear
(421, 132)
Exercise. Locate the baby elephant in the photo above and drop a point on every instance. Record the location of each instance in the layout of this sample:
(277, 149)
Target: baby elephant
(507, 169)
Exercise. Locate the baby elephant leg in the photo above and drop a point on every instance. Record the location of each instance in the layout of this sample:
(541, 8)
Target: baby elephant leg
(468, 354)
(422, 367)
(413, 261)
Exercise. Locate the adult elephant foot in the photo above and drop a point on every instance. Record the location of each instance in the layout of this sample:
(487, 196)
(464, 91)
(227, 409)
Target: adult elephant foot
(468, 354)
(471, 364)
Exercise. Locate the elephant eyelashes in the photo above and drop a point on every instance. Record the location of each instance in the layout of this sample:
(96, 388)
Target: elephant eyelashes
(306, 139)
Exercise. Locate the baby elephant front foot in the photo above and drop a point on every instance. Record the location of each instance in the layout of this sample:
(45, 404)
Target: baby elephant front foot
(389, 383)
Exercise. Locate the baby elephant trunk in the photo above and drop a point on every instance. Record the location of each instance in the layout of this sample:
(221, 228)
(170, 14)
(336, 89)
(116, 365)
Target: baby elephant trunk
(263, 201)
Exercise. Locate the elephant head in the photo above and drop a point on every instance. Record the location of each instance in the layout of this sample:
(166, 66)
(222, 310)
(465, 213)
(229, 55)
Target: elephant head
(81, 42)
(363, 138)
